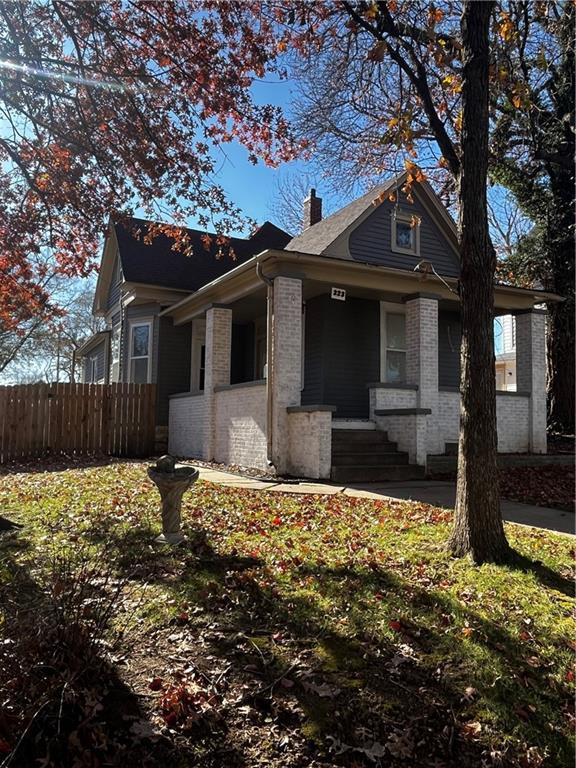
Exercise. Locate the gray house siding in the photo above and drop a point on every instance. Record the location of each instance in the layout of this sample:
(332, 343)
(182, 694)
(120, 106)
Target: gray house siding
(242, 353)
(313, 391)
(173, 371)
(98, 352)
(371, 241)
(342, 354)
(352, 355)
(114, 291)
(449, 333)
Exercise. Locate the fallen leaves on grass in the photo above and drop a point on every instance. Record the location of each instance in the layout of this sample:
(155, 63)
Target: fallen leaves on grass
(295, 630)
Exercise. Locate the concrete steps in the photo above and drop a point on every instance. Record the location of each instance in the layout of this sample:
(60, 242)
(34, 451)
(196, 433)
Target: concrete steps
(366, 456)
(358, 459)
(351, 437)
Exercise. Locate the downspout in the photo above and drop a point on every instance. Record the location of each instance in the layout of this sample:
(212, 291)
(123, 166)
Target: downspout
(269, 362)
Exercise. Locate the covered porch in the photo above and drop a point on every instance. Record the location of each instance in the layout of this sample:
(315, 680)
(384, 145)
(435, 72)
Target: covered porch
(351, 346)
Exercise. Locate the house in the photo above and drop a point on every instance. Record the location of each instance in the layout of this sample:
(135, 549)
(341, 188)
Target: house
(136, 283)
(331, 354)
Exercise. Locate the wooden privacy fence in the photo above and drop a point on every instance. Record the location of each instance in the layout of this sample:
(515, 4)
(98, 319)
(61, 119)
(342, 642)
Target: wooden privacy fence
(76, 419)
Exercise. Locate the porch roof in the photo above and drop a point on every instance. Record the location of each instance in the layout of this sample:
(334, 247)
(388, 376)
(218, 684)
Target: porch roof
(90, 343)
(243, 281)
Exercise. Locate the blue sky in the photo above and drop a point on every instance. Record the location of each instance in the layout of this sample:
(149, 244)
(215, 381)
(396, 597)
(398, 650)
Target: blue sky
(252, 187)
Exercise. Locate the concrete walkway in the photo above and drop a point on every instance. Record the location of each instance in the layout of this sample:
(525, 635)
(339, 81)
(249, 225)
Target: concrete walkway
(439, 493)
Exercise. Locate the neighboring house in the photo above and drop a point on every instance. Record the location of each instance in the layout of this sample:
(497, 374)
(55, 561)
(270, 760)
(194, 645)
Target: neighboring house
(505, 332)
(334, 353)
(93, 356)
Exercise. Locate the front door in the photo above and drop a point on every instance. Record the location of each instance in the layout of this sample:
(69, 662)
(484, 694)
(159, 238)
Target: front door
(342, 354)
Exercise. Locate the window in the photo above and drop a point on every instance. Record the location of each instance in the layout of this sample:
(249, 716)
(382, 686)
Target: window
(405, 232)
(140, 351)
(393, 343)
(93, 369)
(115, 353)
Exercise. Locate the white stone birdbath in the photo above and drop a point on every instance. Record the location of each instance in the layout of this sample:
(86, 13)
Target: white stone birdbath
(172, 480)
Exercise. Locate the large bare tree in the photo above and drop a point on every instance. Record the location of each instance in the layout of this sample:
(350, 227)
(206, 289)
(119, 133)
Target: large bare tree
(390, 86)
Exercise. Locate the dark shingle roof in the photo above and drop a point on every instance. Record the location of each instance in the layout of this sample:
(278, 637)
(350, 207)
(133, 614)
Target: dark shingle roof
(157, 264)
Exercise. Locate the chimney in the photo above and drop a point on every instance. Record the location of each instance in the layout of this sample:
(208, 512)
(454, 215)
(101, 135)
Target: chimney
(312, 209)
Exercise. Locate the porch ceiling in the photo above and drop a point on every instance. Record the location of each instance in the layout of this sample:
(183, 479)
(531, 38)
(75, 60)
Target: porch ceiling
(320, 273)
(312, 288)
(250, 307)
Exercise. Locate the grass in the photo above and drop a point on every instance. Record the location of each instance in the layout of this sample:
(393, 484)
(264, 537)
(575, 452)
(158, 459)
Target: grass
(290, 630)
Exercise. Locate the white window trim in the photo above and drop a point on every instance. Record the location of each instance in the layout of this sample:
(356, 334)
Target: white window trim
(115, 375)
(149, 321)
(406, 218)
(93, 369)
(198, 341)
(387, 307)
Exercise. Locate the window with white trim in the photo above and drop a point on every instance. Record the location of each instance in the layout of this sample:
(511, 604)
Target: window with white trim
(405, 232)
(93, 369)
(392, 343)
(115, 353)
(140, 339)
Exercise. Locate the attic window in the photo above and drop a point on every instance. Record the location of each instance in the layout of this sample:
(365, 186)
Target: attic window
(405, 233)
(117, 271)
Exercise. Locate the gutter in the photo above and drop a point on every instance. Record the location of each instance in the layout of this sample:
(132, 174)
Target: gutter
(269, 361)
(213, 291)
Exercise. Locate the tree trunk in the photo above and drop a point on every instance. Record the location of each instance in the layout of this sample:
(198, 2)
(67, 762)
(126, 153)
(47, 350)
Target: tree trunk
(478, 529)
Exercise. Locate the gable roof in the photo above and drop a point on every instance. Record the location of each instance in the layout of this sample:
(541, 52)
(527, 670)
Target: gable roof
(321, 238)
(158, 264)
(317, 238)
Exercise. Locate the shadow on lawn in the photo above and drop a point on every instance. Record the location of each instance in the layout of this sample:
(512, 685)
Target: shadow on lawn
(61, 463)
(545, 575)
(63, 702)
(343, 683)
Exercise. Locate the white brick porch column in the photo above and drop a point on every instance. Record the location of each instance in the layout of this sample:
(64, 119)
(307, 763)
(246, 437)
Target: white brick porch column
(287, 362)
(422, 359)
(216, 369)
(531, 372)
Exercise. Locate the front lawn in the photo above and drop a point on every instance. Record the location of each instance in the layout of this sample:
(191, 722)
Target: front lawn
(289, 631)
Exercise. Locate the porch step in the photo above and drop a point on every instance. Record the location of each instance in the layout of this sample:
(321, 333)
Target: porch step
(368, 456)
(366, 437)
(363, 424)
(376, 474)
(365, 458)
